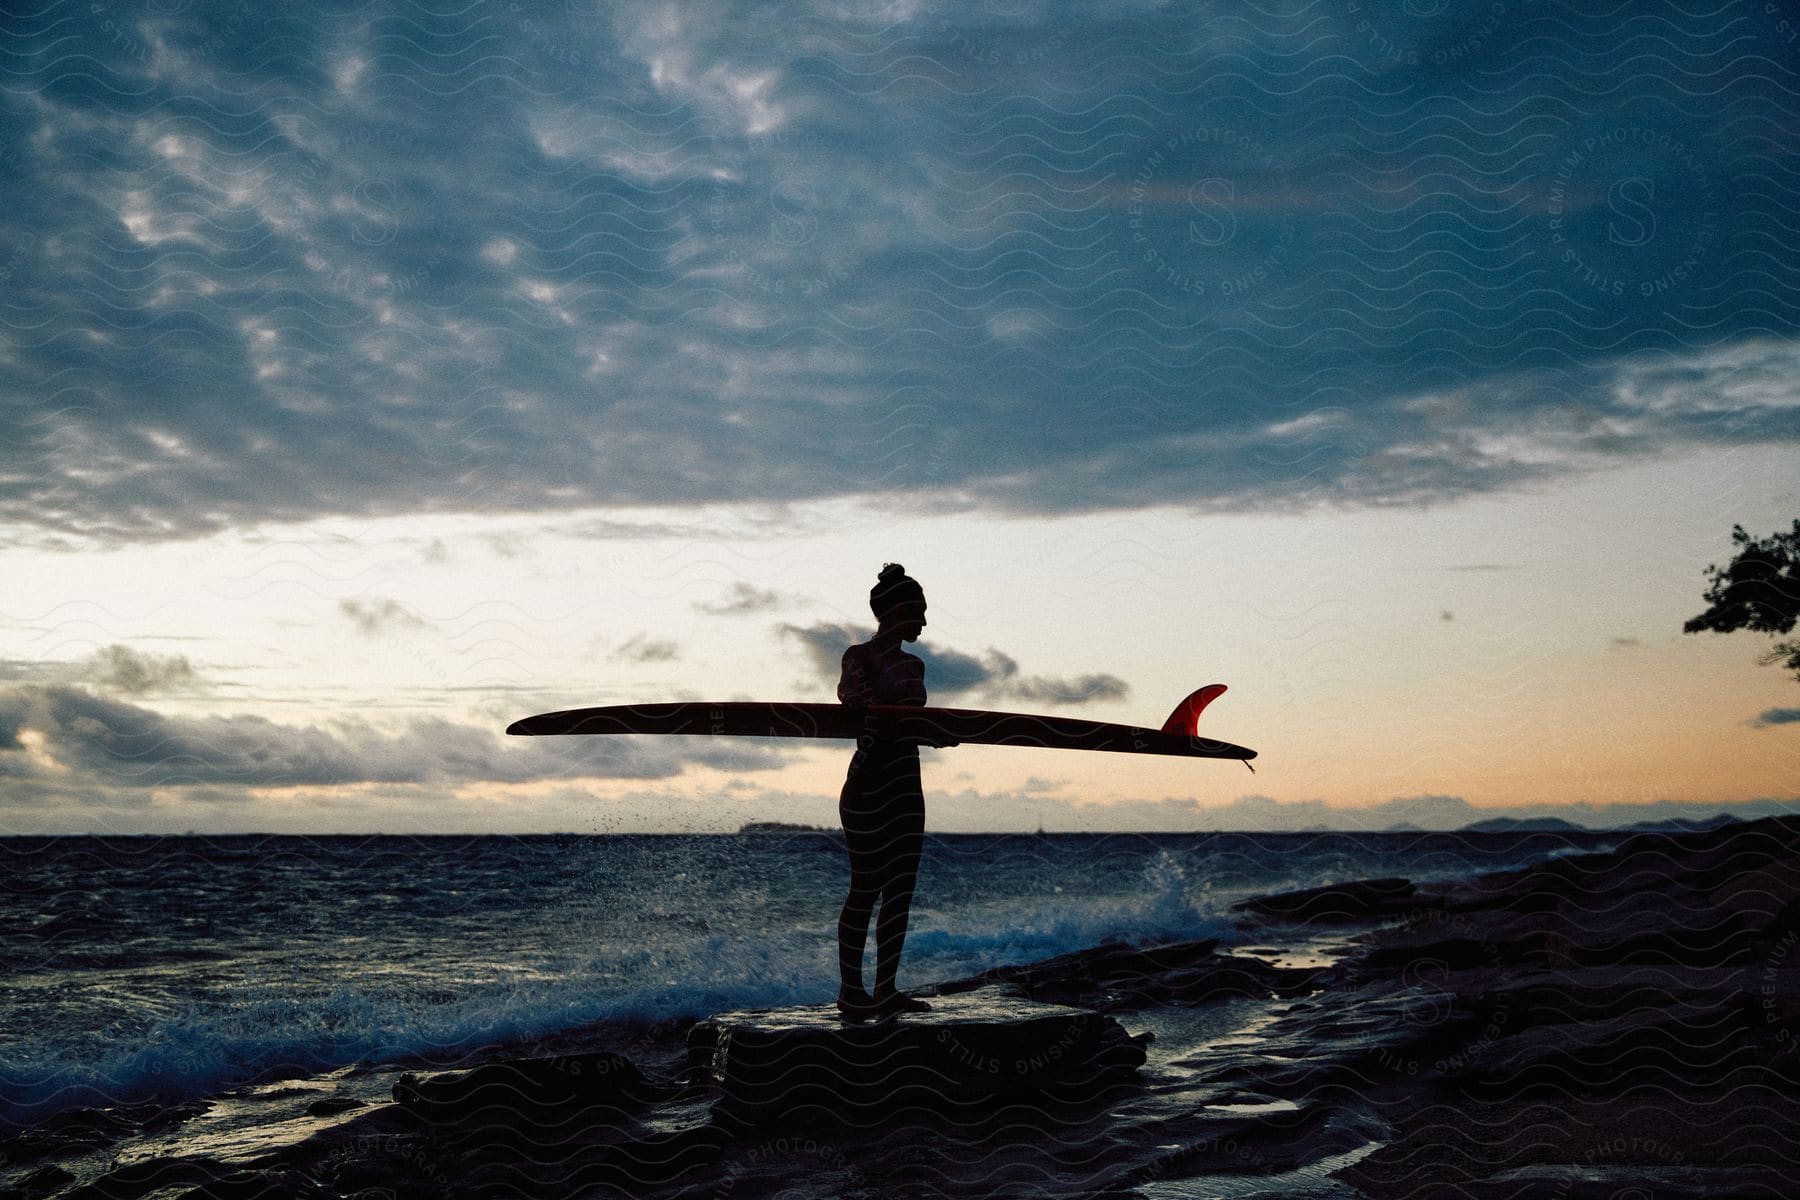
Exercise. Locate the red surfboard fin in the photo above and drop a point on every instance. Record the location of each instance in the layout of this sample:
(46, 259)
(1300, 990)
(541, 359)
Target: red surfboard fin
(1185, 720)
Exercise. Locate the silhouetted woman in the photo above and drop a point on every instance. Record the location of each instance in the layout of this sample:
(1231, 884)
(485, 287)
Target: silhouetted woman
(882, 804)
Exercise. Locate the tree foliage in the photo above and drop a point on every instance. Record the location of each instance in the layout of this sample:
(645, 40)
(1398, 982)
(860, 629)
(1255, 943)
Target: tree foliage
(1757, 590)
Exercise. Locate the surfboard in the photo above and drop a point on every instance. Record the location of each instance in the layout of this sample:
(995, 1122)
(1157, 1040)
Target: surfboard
(920, 724)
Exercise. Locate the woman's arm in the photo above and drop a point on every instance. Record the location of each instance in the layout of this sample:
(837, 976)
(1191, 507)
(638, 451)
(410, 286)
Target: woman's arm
(912, 682)
(916, 695)
(854, 683)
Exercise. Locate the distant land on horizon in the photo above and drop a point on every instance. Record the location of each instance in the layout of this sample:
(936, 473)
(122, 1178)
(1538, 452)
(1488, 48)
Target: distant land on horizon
(1559, 825)
(1490, 825)
(1525, 825)
(1518, 825)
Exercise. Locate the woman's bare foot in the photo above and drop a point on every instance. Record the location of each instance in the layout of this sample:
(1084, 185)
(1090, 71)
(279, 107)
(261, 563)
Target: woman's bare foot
(854, 1004)
(888, 1003)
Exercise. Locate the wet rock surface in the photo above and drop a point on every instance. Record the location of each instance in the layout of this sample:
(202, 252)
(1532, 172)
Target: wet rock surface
(587, 1088)
(1615, 1024)
(1356, 900)
(1119, 978)
(1596, 1023)
(795, 1067)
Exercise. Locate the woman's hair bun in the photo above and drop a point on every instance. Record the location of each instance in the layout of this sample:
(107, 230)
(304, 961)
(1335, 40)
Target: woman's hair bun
(893, 588)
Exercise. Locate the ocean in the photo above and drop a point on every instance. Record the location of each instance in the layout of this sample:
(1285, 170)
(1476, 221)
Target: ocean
(173, 969)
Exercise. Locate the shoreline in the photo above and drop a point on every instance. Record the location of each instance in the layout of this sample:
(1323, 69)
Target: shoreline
(1596, 1021)
(1509, 827)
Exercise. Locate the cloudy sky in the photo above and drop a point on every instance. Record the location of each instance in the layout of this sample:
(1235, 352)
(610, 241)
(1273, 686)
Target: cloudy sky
(373, 376)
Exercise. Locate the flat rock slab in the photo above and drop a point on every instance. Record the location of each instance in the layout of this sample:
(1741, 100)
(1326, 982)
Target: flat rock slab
(1333, 902)
(565, 1088)
(803, 1065)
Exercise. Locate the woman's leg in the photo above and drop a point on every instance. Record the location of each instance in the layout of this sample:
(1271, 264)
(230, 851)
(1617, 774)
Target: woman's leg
(905, 839)
(859, 903)
(853, 934)
(896, 907)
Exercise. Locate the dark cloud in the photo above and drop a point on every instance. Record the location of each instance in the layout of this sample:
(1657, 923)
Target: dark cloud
(376, 617)
(993, 677)
(73, 738)
(741, 600)
(1777, 716)
(643, 648)
(135, 673)
(114, 668)
(996, 676)
(603, 257)
(824, 643)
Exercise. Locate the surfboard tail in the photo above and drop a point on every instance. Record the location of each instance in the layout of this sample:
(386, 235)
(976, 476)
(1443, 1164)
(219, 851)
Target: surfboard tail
(1185, 720)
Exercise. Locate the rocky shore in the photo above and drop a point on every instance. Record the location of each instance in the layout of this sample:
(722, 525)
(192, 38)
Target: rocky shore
(1615, 1024)
(1593, 1025)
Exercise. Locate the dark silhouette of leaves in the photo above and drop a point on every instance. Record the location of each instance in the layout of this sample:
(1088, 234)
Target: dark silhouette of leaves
(1759, 590)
